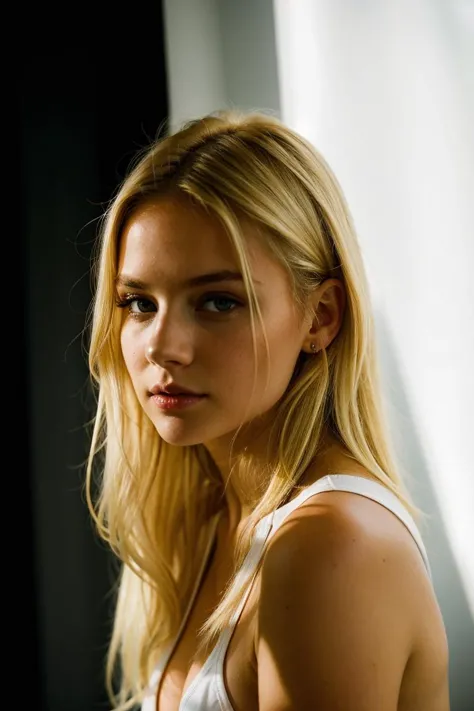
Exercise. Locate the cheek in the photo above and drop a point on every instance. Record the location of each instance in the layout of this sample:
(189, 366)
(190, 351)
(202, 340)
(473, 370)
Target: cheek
(284, 348)
(131, 351)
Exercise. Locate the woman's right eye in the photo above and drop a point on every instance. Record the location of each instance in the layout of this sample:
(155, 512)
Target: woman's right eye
(140, 306)
(135, 305)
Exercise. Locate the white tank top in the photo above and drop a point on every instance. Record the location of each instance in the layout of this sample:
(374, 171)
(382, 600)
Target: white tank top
(207, 690)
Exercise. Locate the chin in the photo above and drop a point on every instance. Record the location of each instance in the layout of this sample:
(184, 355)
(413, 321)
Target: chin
(179, 436)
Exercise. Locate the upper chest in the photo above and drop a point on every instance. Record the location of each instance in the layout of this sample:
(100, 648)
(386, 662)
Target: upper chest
(239, 664)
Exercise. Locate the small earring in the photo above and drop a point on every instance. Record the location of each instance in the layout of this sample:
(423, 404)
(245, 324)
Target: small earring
(313, 347)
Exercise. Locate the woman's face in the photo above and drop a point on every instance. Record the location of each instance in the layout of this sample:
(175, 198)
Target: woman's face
(186, 320)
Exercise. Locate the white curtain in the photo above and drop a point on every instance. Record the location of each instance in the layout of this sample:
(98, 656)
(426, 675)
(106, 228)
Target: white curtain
(385, 90)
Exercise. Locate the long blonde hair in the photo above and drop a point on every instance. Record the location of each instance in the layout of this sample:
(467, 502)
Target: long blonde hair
(235, 165)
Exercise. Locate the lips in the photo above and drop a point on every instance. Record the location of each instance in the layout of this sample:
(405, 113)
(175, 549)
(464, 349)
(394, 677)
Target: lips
(173, 389)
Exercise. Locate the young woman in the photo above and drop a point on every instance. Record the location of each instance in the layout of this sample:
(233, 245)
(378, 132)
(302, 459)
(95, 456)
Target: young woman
(270, 556)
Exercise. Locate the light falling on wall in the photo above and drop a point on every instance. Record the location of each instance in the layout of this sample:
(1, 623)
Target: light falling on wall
(385, 92)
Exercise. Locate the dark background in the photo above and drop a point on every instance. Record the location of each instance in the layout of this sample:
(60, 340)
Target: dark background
(89, 97)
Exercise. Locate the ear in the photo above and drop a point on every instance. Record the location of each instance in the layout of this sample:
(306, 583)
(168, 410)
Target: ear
(326, 308)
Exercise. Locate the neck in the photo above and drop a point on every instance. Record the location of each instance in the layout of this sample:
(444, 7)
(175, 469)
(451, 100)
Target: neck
(246, 471)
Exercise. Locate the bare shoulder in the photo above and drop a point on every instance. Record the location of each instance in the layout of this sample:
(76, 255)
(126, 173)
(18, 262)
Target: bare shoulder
(345, 601)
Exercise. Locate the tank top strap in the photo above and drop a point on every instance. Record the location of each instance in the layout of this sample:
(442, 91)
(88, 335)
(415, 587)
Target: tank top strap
(249, 567)
(357, 485)
(242, 581)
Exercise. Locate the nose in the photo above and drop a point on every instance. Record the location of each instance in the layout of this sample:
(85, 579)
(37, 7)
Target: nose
(170, 340)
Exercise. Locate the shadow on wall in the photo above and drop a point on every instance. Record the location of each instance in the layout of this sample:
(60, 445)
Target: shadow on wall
(446, 578)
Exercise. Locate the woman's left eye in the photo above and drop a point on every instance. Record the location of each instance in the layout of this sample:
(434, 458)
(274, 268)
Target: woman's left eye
(222, 303)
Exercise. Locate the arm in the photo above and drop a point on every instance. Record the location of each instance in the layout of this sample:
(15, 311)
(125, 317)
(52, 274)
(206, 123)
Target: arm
(335, 626)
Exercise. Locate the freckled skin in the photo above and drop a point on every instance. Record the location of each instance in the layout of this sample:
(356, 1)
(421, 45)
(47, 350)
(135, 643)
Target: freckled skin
(207, 351)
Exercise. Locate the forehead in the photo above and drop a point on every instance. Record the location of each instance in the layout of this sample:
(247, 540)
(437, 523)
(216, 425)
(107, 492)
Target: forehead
(172, 229)
(173, 238)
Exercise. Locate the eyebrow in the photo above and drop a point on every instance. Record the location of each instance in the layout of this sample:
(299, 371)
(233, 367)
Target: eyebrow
(199, 280)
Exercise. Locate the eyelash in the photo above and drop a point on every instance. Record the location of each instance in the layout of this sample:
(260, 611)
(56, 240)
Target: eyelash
(127, 301)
